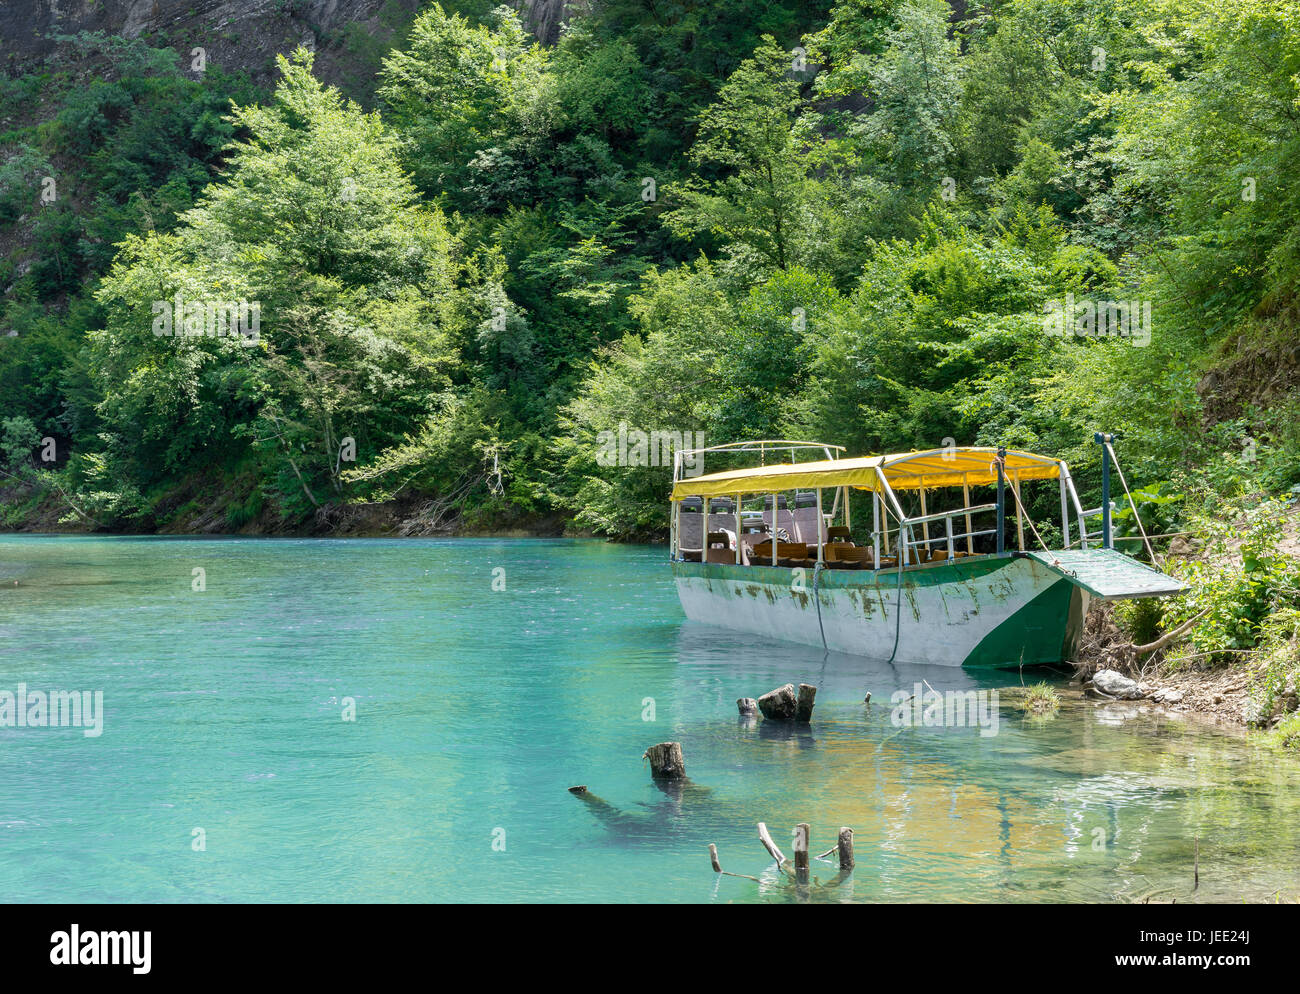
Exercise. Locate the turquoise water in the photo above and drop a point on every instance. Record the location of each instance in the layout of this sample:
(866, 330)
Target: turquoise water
(476, 708)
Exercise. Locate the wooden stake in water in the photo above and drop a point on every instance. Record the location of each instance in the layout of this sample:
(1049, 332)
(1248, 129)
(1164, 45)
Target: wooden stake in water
(846, 849)
(804, 706)
(801, 833)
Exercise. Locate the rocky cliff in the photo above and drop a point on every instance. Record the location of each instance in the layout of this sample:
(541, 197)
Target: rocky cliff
(238, 34)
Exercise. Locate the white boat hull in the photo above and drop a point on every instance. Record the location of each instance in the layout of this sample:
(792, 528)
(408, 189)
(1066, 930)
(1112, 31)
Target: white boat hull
(983, 610)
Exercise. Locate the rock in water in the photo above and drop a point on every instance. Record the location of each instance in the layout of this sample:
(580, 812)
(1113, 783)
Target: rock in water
(780, 704)
(747, 705)
(1114, 684)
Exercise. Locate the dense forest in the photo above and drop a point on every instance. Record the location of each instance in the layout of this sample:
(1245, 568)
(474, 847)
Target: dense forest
(879, 224)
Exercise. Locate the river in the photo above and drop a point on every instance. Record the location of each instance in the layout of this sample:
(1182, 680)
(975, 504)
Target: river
(484, 677)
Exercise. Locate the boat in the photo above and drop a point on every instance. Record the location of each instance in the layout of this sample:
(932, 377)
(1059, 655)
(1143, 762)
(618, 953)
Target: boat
(772, 550)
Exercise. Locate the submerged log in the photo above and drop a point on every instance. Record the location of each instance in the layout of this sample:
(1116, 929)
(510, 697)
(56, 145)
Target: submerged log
(666, 761)
(780, 704)
(804, 708)
(846, 849)
(747, 705)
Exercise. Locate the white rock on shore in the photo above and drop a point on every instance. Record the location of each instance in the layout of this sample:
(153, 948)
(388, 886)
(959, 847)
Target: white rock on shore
(1114, 684)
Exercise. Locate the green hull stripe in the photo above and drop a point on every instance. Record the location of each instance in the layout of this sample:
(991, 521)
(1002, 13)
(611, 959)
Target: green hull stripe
(955, 572)
(1038, 633)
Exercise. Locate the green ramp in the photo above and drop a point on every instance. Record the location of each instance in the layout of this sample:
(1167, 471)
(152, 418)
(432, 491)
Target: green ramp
(1108, 574)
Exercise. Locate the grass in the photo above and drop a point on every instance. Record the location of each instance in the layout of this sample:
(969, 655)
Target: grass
(1287, 733)
(1041, 698)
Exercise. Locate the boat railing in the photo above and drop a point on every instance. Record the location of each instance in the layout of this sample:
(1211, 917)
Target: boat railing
(950, 538)
(763, 446)
(1085, 535)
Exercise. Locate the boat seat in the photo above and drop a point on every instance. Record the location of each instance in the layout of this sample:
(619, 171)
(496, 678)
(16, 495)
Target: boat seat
(838, 533)
(845, 553)
(794, 554)
(691, 555)
(788, 554)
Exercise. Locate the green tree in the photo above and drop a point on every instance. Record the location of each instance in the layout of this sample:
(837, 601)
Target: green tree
(762, 158)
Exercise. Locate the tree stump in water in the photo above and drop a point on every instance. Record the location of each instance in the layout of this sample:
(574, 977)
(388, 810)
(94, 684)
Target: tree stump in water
(779, 704)
(666, 761)
(802, 831)
(747, 705)
(846, 849)
(804, 708)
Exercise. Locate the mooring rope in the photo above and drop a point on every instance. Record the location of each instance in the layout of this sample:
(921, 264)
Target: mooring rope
(1133, 504)
(898, 600)
(817, 575)
(1021, 507)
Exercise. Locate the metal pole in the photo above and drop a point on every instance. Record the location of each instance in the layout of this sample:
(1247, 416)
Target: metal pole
(1002, 498)
(738, 529)
(965, 493)
(675, 538)
(875, 529)
(775, 521)
(1078, 507)
(1020, 523)
(1102, 439)
(1065, 514)
(704, 545)
(820, 524)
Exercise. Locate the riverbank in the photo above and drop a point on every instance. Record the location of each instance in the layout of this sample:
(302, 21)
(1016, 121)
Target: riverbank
(25, 509)
(1229, 650)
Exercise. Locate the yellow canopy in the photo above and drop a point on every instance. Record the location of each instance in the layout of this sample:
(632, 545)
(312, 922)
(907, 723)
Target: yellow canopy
(904, 471)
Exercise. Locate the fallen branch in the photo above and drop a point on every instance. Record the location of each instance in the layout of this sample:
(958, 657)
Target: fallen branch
(1170, 637)
(772, 848)
(717, 866)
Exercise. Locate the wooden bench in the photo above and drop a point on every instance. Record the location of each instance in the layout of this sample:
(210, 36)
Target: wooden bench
(788, 554)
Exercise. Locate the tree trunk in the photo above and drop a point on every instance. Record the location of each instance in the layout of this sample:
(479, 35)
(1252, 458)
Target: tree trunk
(779, 704)
(666, 761)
